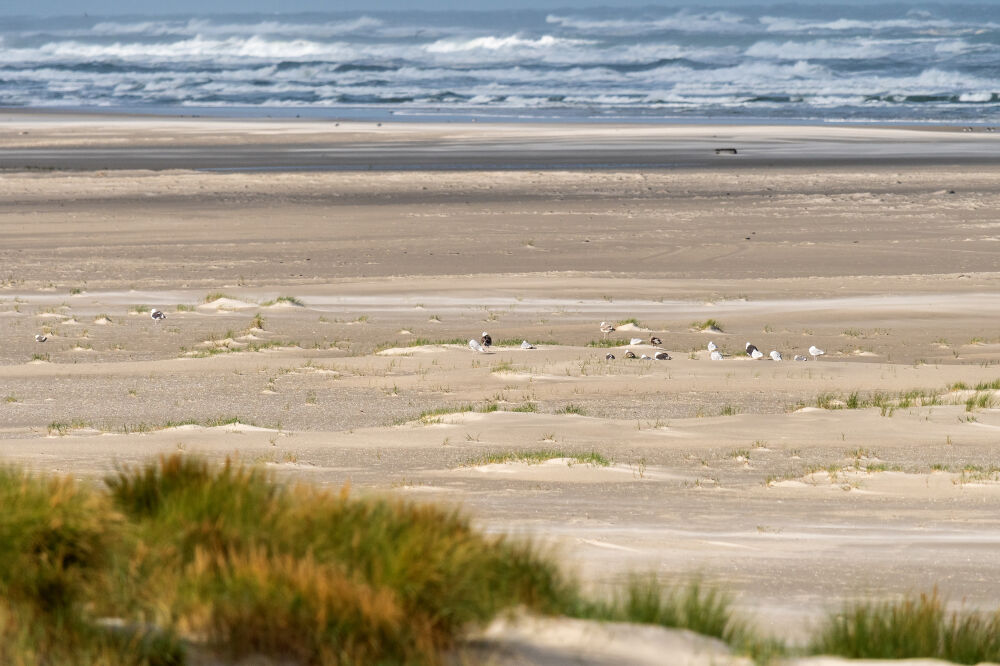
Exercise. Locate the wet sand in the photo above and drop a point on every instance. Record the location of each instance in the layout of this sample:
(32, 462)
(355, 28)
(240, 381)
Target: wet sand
(756, 475)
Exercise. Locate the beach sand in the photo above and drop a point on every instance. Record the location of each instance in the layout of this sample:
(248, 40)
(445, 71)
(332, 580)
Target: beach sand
(757, 476)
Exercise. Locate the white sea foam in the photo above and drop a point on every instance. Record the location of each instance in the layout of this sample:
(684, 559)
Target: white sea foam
(794, 62)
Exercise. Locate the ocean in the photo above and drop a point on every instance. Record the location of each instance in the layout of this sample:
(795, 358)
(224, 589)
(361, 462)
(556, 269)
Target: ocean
(788, 63)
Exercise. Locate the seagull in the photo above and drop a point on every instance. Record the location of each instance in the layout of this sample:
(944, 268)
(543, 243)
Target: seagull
(606, 328)
(753, 352)
(635, 341)
(712, 346)
(157, 315)
(486, 339)
(645, 358)
(526, 345)
(40, 338)
(475, 346)
(629, 354)
(800, 357)
(775, 355)
(716, 355)
(815, 351)
(655, 341)
(661, 356)
(609, 357)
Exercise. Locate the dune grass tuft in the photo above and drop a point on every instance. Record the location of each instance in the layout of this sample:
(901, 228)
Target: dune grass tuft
(537, 457)
(911, 628)
(294, 571)
(707, 325)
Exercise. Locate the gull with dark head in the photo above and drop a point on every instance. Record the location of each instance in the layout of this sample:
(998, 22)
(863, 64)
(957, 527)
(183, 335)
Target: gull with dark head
(661, 356)
(486, 340)
(609, 357)
(157, 315)
(753, 352)
(655, 341)
(629, 354)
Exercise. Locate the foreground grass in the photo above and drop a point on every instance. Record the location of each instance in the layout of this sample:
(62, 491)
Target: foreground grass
(219, 560)
(911, 628)
(190, 557)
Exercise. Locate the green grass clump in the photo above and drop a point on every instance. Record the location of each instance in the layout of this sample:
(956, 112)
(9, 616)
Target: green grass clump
(216, 295)
(526, 408)
(54, 539)
(181, 307)
(702, 609)
(572, 409)
(486, 408)
(708, 324)
(911, 628)
(259, 568)
(290, 300)
(604, 343)
(630, 320)
(516, 342)
(537, 457)
(63, 427)
(139, 309)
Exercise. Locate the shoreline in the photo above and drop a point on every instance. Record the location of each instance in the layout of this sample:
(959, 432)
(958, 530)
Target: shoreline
(73, 142)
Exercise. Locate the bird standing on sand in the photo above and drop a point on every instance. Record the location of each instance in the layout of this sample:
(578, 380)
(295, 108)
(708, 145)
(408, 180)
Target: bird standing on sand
(753, 352)
(475, 346)
(712, 346)
(629, 354)
(526, 345)
(716, 355)
(606, 328)
(775, 355)
(156, 315)
(661, 356)
(40, 338)
(815, 352)
(655, 341)
(486, 340)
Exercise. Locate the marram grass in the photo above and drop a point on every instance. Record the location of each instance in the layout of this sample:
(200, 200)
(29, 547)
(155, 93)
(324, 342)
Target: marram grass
(190, 558)
(910, 628)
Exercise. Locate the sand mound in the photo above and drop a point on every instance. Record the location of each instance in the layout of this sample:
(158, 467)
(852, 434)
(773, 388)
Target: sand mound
(567, 641)
(420, 349)
(227, 304)
(567, 470)
(632, 327)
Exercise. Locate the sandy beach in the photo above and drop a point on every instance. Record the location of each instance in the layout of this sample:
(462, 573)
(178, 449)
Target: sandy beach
(320, 281)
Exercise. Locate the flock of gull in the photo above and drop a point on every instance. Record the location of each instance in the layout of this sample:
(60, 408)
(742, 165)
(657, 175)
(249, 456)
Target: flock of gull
(486, 341)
